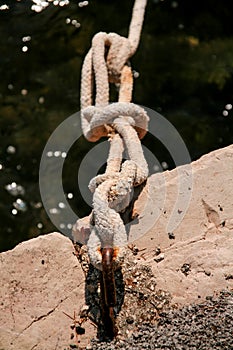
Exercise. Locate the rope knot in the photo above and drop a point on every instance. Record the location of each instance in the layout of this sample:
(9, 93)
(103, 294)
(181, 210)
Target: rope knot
(121, 114)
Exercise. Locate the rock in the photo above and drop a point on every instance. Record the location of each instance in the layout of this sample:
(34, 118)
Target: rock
(41, 279)
(203, 240)
(207, 325)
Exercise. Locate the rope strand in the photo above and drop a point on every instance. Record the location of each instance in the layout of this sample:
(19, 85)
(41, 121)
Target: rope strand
(130, 123)
(135, 27)
(125, 124)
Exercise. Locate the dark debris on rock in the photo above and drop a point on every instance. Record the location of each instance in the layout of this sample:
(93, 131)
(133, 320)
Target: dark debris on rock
(204, 326)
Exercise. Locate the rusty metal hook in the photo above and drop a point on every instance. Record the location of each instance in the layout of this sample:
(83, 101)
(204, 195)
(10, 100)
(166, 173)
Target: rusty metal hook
(108, 292)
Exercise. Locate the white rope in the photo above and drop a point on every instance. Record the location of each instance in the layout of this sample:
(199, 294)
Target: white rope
(125, 123)
(135, 27)
(94, 118)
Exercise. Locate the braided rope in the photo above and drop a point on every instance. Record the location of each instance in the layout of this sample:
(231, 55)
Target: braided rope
(94, 118)
(125, 123)
(135, 27)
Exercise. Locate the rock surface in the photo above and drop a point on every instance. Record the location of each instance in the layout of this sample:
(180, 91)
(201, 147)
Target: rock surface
(189, 254)
(198, 253)
(41, 279)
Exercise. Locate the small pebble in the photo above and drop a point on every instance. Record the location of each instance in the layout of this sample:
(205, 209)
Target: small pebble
(207, 273)
(185, 268)
(157, 251)
(171, 235)
(229, 277)
(159, 258)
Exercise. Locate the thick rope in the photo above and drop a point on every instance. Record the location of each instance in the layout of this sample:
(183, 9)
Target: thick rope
(135, 27)
(125, 124)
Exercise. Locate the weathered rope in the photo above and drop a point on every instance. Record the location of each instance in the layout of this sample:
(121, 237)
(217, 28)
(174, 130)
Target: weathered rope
(120, 50)
(125, 124)
(94, 118)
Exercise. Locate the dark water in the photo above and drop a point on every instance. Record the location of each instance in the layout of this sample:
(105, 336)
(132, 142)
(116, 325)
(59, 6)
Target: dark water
(185, 66)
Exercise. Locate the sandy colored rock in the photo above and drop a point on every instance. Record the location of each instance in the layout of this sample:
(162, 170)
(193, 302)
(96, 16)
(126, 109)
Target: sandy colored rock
(40, 279)
(202, 243)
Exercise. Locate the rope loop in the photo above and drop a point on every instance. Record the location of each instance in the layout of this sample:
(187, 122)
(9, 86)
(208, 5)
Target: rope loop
(104, 70)
(118, 55)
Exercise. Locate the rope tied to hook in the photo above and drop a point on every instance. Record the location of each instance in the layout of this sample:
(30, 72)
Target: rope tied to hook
(124, 123)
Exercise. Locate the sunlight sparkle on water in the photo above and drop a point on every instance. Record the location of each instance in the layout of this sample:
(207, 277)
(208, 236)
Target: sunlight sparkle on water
(63, 3)
(26, 38)
(164, 165)
(41, 99)
(14, 189)
(40, 5)
(75, 23)
(57, 153)
(61, 205)
(20, 205)
(4, 7)
(135, 74)
(24, 92)
(54, 211)
(11, 149)
(25, 48)
(83, 3)
(49, 154)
